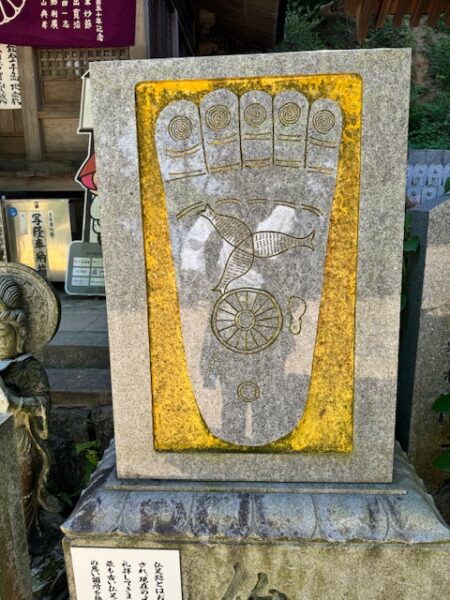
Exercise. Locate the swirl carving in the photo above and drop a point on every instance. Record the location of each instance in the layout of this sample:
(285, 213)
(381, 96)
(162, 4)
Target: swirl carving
(255, 114)
(218, 117)
(289, 113)
(180, 128)
(324, 121)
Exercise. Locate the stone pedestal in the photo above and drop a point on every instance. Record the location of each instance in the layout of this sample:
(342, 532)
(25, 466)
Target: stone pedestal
(15, 579)
(277, 541)
(425, 347)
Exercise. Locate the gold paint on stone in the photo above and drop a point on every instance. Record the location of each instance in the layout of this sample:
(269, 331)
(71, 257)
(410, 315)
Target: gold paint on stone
(327, 422)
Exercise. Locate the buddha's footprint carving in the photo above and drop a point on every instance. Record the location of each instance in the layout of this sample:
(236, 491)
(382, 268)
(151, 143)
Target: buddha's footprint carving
(249, 184)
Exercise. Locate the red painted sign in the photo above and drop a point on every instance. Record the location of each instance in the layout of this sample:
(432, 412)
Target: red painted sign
(67, 23)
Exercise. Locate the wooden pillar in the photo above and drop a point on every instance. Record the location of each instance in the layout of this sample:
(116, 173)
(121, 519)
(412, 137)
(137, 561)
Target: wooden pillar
(30, 92)
(385, 5)
(363, 18)
(401, 11)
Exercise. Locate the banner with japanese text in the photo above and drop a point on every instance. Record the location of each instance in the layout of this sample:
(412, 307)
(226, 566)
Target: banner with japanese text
(67, 23)
(9, 78)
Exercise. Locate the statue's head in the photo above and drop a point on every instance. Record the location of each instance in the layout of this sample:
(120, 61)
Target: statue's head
(13, 319)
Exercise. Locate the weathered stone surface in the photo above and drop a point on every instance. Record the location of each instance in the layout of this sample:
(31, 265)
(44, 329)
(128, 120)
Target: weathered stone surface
(425, 350)
(209, 398)
(15, 579)
(397, 512)
(386, 541)
(319, 571)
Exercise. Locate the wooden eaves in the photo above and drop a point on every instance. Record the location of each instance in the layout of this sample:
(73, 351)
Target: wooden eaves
(366, 10)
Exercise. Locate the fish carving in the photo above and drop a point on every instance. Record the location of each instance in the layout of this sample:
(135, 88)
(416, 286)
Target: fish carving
(248, 245)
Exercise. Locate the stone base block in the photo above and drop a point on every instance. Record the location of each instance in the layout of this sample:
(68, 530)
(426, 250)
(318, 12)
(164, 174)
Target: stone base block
(241, 541)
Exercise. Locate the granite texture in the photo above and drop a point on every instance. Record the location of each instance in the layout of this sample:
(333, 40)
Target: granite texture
(401, 511)
(385, 82)
(249, 323)
(239, 321)
(389, 543)
(313, 570)
(15, 579)
(425, 348)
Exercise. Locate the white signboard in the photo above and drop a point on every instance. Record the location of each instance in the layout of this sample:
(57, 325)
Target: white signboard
(9, 78)
(126, 574)
(85, 274)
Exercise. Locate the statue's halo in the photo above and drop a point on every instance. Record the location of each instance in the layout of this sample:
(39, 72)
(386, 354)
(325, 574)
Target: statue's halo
(42, 304)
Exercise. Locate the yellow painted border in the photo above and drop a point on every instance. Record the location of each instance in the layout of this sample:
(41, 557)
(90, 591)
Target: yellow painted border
(327, 422)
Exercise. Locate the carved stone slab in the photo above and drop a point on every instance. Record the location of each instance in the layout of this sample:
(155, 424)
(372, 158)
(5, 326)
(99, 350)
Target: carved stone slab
(391, 536)
(255, 263)
(15, 579)
(249, 184)
(425, 351)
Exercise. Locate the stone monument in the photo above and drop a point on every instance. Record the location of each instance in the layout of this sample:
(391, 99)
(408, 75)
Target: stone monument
(29, 317)
(15, 579)
(425, 352)
(253, 249)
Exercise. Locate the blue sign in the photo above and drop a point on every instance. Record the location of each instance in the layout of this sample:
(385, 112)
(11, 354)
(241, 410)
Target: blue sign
(12, 212)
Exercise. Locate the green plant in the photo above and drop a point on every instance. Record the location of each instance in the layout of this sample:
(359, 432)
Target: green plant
(90, 453)
(429, 121)
(442, 406)
(300, 31)
(439, 56)
(429, 118)
(64, 497)
(390, 36)
(306, 29)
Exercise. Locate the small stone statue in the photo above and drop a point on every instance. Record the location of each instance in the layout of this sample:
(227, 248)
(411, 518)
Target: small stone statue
(29, 317)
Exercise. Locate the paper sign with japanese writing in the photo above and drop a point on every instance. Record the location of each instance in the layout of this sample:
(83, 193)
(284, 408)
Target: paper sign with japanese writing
(67, 23)
(9, 78)
(126, 574)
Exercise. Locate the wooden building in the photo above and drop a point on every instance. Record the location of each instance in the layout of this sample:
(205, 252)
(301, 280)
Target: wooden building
(368, 12)
(40, 149)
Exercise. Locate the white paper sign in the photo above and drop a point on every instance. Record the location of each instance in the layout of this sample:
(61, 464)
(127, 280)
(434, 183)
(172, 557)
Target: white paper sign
(9, 78)
(126, 574)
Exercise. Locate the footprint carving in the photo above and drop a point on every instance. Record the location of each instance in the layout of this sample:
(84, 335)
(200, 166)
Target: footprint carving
(249, 183)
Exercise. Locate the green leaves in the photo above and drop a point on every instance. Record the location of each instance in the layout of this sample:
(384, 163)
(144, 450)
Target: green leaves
(83, 446)
(443, 461)
(442, 404)
(91, 456)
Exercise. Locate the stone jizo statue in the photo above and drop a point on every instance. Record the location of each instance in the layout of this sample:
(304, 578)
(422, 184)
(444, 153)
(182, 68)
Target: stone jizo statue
(29, 317)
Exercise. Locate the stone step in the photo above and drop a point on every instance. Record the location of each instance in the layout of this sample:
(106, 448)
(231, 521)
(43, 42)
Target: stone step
(80, 387)
(76, 350)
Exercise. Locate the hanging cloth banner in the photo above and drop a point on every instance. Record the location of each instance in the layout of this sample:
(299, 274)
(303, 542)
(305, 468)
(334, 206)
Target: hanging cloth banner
(67, 23)
(9, 78)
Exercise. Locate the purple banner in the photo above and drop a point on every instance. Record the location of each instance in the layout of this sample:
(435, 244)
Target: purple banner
(67, 23)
